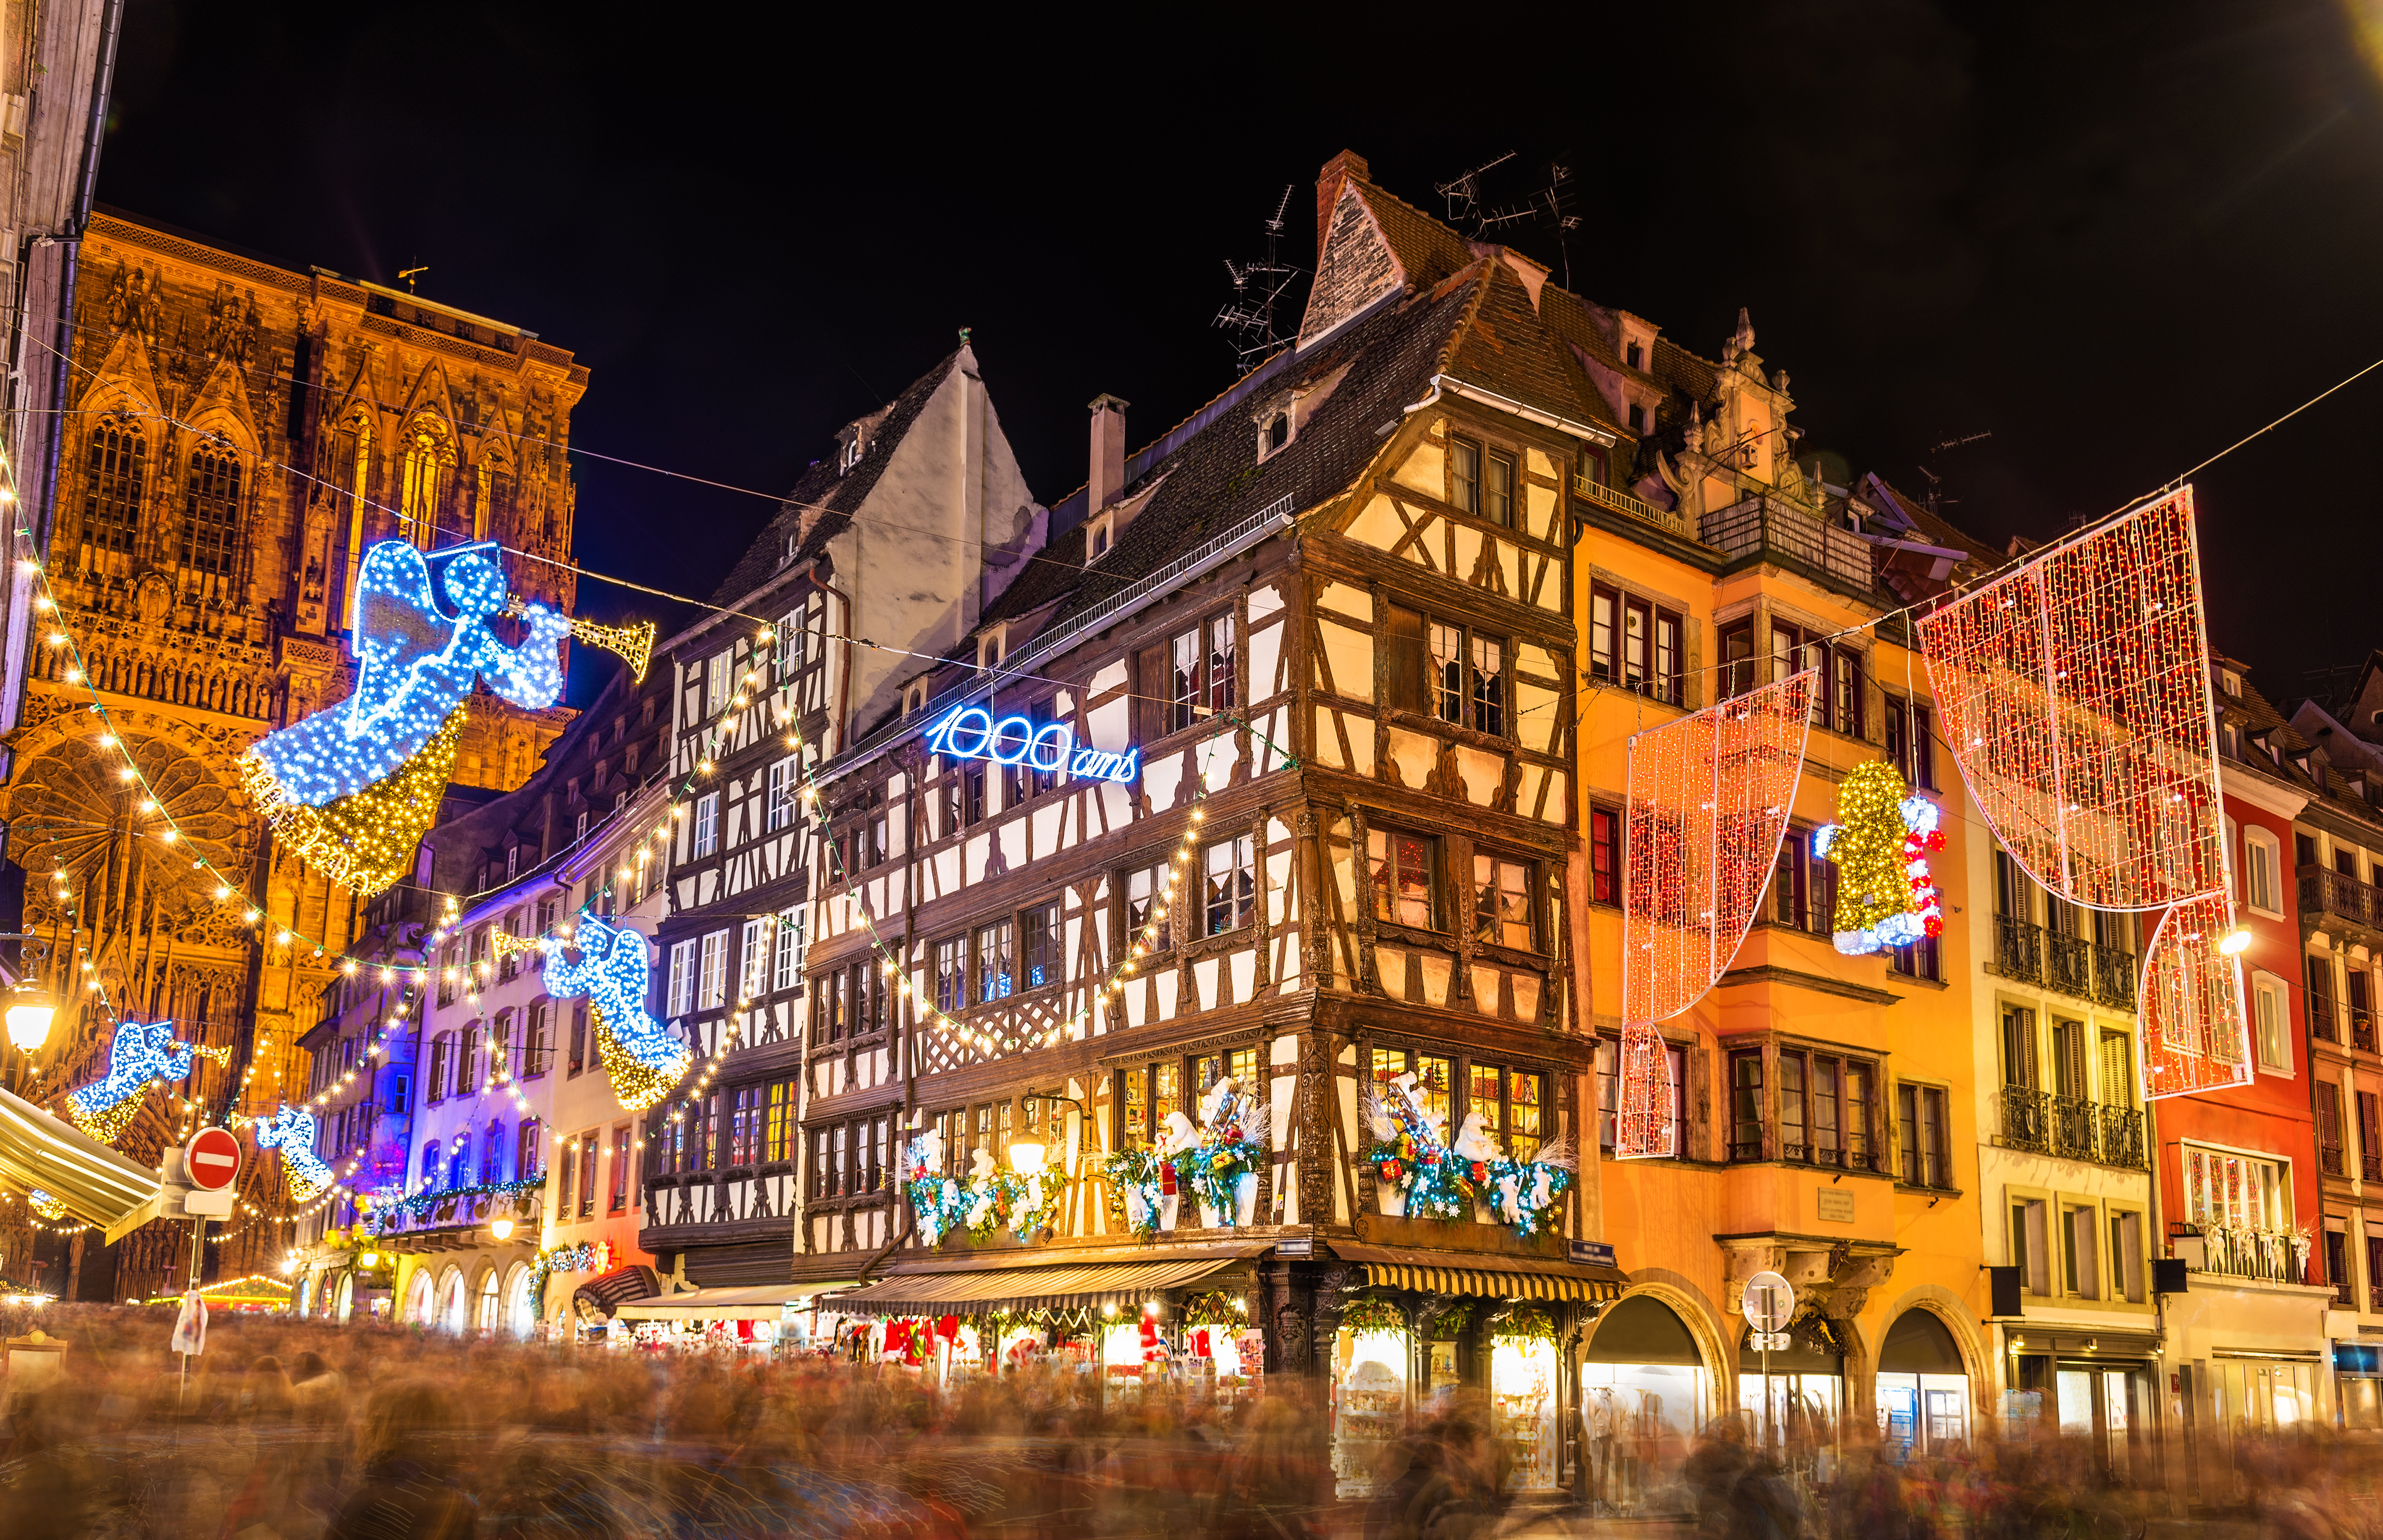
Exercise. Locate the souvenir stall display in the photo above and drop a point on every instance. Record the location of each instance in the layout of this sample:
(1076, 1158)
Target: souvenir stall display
(1222, 1357)
(1371, 1393)
(1643, 1394)
(1525, 1374)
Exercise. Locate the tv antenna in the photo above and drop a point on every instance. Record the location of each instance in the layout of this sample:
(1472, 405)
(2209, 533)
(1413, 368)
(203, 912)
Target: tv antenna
(1248, 321)
(1935, 498)
(1549, 208)
(1463, 192)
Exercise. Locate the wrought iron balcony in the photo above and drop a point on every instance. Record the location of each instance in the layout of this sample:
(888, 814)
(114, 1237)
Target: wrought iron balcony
(2068, 965)
(2342, 896)
(2072, 1125)
(2373, 1297)
(2075, 1130)
(2027, 1122)
(2324, 1020)
(2370, 1165)
(2361, 1030)
(2274, 1256)
(2329, 1159)
(2018, 950)
(2345, 1294)
(2115, 973)
(2122, 1139)
(1767, 528)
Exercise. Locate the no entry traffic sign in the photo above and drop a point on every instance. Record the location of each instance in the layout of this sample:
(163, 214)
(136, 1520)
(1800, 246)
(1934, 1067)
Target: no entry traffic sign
(211, 1158)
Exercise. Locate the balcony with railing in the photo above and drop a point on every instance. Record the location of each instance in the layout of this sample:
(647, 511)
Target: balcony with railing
(2068, 965)
(2329, 1159)
(2324, 1021)
(2073, 1126)
(2361, 1030)
(2028, 954)
(2018, 950)
(2342, 896)
(1768, 529)
(2240, 1252)
(2370, 1165)
(1623, 503)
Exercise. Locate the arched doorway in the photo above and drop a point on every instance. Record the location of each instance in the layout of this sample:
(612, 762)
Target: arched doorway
(455, 1302)
(1645, 1391)
(488, 1308)
(346, 1300)
(418, 1298)
(1923, 1385)
(521, 1313)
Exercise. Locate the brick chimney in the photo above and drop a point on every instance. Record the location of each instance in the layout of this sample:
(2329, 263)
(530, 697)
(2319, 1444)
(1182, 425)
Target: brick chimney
(1340, 169)
(1107, 479)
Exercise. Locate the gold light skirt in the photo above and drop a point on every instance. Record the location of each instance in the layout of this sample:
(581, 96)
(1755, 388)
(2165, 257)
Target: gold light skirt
(365, 841)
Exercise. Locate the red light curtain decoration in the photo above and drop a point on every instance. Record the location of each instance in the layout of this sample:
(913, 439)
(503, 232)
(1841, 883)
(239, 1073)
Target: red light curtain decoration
(1709, 799)
(2075, 697)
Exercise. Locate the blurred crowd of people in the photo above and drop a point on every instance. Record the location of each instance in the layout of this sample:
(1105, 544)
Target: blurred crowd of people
(297, 1430)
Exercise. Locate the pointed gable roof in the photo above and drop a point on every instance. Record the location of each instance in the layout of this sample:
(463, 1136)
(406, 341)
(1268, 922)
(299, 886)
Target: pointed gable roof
(825, 497)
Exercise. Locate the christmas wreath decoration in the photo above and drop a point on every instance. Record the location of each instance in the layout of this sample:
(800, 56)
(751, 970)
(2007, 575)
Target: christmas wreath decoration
(1524, 1323)
(1371, 1314)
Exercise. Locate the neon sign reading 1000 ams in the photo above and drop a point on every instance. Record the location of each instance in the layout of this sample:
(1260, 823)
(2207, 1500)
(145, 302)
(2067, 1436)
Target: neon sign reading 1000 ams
(971, 733)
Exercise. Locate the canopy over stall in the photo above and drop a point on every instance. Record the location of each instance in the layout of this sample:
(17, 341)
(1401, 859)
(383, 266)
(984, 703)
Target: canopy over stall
(90, 1181)
(970, 1287)
(755, 1302)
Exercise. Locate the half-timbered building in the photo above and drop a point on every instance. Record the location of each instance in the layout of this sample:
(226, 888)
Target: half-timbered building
(1293, 803)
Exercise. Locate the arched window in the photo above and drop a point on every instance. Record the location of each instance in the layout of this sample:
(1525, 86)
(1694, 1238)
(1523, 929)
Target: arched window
(349, 470)
(112, 491)
(425, 493)
(459, 1164)
(492, 1155)
(210, 511)
(429, 1164)
(495, 475)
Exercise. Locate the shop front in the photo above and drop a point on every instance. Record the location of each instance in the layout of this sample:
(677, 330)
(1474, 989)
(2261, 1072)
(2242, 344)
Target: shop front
(2358, 1384)
(754, 1320)
(1428, 1329)
(1923, 1390)
(1793, 1396)
(2099, 1387)
(1118, 1320)
(1645, 1393)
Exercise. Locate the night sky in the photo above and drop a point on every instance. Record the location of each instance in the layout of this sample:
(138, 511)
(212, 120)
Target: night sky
(2116, 237)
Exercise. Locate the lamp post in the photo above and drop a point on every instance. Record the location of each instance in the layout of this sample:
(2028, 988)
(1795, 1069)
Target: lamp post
(28, 1010)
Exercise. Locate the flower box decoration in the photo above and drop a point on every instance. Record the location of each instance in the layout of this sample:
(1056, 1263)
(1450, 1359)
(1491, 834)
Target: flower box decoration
(1416, 1175)
(935, 1198)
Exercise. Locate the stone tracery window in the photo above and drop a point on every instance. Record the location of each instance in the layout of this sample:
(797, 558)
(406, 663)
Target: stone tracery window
(426, 500)
(211, 511)
(118, 476)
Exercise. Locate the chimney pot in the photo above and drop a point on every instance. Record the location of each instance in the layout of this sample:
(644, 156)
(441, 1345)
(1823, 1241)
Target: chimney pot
(1107, 478)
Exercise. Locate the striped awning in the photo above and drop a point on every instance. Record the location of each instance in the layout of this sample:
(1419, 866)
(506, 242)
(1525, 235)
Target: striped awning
(1082, 1287)
(1492, 1278)
(88, 1178)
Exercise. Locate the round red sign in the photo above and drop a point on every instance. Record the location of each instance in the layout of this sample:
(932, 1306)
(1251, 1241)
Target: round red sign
(211, 1158)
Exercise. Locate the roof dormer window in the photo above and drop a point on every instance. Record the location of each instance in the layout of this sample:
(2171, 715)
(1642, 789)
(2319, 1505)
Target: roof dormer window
(1634, 356)
(1637, 418)
(1100, 535)
(914, 697)
(854, 447)
(2231, 682)
(991, 647)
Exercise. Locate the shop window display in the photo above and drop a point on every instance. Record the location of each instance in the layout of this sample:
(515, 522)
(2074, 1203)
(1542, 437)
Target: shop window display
(1370, 1393)
(1524, 1370)
(1645, 1393)
(1923, 1388)
(1800, 1417)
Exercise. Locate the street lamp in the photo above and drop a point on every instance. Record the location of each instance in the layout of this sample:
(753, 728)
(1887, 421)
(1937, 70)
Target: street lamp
(28, 1009)
(1025, 1157)
(502, 1227)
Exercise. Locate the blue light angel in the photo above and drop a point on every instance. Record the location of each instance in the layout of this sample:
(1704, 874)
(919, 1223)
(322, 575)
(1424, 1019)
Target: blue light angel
(141, 1052)
(354, 787)
(641, 1058)
(291, 1131)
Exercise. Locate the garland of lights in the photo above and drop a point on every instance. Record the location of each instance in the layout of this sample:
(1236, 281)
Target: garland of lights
(586, 1256)
(43, 1203)
(641, 1057)
(1410, 1157)
(935, 1198)
(416, 1204)
(1885, 897)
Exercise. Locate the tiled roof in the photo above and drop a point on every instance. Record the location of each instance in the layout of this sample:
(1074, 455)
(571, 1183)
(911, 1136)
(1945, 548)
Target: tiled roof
(1214, 479)
(1426, 249)
(827, 496)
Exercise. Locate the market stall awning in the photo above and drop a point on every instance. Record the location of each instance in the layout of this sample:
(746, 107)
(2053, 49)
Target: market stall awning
(756, 1302)
(1495, 1277)
(1114, 1278)
(92, 1181)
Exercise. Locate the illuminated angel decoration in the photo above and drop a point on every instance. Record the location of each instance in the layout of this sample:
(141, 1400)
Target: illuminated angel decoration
(291, 1131)
(141, 1052)
(44, 1204)
(641, 1058)
(353, 788)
